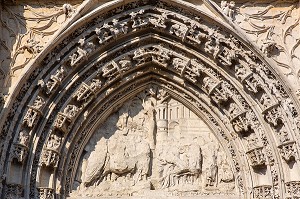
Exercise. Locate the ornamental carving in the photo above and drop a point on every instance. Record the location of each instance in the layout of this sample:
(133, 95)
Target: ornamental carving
(34, 111)
(49, 158)
(13, 191)
(54, 82)
(123, 138)
(162, 157)
(288, 151)
(45, 193)
(65, 118)
(263, 192)
(257, 157)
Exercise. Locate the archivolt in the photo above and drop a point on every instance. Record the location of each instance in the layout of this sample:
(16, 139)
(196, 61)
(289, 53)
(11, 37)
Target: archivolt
(116, 52)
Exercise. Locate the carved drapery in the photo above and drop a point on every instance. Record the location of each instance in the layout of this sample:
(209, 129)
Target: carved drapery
(200, 65)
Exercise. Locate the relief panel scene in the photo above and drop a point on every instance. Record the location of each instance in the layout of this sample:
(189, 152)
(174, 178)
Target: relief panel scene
(153, 145)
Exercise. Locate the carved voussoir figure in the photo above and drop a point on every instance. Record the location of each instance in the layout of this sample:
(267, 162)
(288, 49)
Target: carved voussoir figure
(160, 20)
(180, 30)
(139, 20)
(54, 81)
(66, 117)
(288, 151)
(196, 33)
(85, 93)
(34, 111)
(83, 51)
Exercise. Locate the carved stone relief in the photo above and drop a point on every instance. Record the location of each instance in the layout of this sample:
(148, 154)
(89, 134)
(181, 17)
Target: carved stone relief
(26, 28)
(155, 153)
(274, 27)
(154, 144)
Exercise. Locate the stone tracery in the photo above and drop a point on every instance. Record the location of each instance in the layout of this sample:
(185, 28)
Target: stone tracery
(201, 78)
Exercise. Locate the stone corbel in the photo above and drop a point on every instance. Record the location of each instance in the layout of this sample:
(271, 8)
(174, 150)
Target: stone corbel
(288, 151)
(49, 158)
(256, 157)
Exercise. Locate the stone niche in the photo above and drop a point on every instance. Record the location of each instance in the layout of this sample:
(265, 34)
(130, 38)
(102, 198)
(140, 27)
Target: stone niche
(151, 147)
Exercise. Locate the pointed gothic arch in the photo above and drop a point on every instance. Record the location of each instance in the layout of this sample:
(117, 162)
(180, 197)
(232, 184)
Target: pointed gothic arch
(118, 50)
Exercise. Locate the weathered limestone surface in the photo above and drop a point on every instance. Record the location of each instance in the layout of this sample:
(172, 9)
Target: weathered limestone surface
(149, 99)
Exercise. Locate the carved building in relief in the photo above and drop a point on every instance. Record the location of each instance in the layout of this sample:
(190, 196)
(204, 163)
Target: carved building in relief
(152, 98)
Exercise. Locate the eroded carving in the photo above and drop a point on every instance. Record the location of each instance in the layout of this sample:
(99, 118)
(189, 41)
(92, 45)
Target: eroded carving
(142, 147)
(34, 111)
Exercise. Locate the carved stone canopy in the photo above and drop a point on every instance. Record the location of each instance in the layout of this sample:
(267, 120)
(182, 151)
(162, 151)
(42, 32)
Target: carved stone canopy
(111, 84)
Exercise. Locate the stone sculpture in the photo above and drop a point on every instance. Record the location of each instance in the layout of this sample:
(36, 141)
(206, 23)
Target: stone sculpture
(133, 154)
